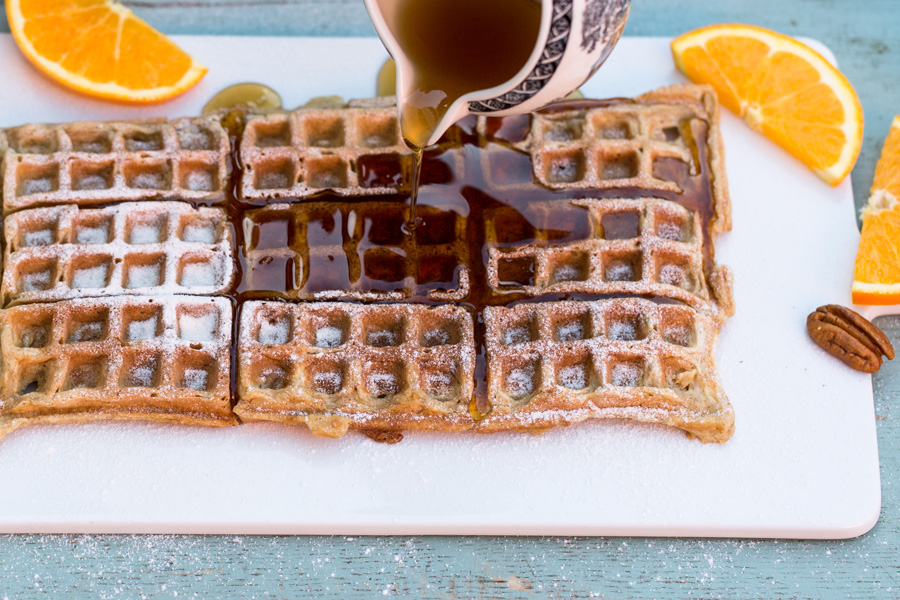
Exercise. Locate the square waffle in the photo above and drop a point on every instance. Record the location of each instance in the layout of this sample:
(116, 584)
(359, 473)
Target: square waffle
(94, 163)
(290, 250)
(348, 150)
(63, 252)
(161, 359)
(644, 247)
(557, 363)
(377, 368)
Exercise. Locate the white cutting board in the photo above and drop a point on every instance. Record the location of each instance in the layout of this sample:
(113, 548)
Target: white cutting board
(803, 461)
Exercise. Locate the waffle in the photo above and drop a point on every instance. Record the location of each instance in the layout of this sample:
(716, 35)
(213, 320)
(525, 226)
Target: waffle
(558, 363)
(164, 359)
(327, 250)
(653, 144)
(648, 247)
(350, 150)
(63, 252)
(378, 368)
(92, 163)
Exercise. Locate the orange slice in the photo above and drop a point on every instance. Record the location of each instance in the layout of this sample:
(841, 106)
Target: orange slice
(100, 48)
(876, 277)
(782, 88)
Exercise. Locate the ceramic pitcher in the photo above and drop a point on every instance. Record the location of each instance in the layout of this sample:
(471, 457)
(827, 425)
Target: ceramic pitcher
(574, 39)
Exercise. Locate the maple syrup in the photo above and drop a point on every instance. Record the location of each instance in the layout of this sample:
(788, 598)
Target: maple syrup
(454, 47)
(249, 95)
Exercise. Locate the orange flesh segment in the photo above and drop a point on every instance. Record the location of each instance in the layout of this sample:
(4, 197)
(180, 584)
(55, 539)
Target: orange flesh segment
(876, 278)
(783, 89)
(100, 48)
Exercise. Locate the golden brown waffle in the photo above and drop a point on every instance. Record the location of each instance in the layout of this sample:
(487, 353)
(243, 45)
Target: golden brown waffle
(648, 144)
(335, 366)
(645, 247)
(352, 149)
(63, 252)
(558, 363)
(92, 163)
(160, 359)
(330, 250)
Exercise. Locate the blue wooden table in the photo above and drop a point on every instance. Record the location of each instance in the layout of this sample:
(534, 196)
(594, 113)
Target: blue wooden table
(865, 36)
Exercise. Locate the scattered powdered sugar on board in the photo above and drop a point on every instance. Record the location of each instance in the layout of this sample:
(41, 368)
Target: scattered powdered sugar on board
(91, 277)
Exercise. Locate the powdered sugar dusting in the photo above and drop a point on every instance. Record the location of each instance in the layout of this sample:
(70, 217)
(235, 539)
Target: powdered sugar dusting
(199, 232)
(519, 334)
(142, 330)
(621, 331)
(327, 382)
(520, 381)
(195, 379)
(141, 376)
(573, 377)
(199, 274)
(199, 180)
(146, 233)
(672, 274)
(382, 384)
(44, 237)
(91, 277)
(619, 270)
(670, 231)
(570, 332)
(329, 337)
(198, 327)
(568, 272)
(36, 282)
(92, 235)
(144, 276)
(626, 374)
(274, 331)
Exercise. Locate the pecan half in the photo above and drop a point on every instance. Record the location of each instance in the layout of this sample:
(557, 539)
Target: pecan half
(850, 337)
